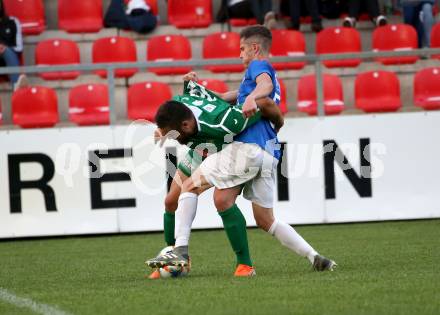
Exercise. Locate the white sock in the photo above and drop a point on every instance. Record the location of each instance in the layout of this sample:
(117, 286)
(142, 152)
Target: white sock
(292, 240)
(185, 214)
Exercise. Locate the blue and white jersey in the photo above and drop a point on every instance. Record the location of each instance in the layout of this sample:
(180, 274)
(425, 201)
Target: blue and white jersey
(261, 133)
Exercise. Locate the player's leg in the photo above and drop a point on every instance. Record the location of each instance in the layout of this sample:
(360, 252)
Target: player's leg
(187, 207)
(225, 169)
(288, 237)
(234, 165)
(184, 217)
(188, 164)
(188, 197)
(171, 201)
(261, 191)
(283, 232)
(237, 164)
(234, 224)
(233, 221)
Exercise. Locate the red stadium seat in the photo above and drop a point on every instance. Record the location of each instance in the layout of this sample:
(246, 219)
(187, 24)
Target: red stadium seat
(377, 91)
(189, 14)
(143, 99)
(335, 40)
(395, 37)
(169, 48)
(151, 3)
(30, 13)
(217, 86)
(242, 22)
(435, 38)
(283, 102)
(89, 104)
(57, 52)
(427, 88)
(114, 49)
(35, 107)
(288, 43)
(80, 16)
(333, 95)
(222, 45)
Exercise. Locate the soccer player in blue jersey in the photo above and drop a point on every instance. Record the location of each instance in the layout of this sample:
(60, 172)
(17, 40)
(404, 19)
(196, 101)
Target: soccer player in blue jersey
(246, 165)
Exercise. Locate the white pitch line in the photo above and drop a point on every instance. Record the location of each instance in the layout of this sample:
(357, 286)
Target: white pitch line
(39, 308)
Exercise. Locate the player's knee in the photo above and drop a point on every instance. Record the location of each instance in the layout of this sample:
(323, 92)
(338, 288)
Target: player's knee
(170, 203)
(188, 186)
(222, 201)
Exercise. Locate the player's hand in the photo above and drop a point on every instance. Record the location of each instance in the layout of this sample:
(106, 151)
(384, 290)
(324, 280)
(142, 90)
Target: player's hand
(279, 125)
(190, 76)
(249, 107)
(160, 138)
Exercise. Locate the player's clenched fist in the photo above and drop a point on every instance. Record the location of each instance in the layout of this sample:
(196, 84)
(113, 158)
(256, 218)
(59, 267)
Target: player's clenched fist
(249, 107)
(190, 76)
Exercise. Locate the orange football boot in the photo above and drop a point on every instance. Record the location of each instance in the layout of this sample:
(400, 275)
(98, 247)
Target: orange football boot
(245, 271)
(154, 275)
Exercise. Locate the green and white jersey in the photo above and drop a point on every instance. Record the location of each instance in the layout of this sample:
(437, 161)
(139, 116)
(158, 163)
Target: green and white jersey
(217, 121)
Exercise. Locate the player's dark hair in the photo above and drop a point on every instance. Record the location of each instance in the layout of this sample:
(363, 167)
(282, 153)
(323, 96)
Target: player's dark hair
(261, 33)
(171, 114)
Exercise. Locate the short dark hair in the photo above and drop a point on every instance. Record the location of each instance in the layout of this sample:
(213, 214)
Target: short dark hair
(261, 33)
(171, 114)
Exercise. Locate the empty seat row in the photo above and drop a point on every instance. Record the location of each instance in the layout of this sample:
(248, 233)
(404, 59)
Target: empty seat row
(86, 16)
(123, 49)
(375, 91)
(178, 47)
(37, 106)
(392, 37)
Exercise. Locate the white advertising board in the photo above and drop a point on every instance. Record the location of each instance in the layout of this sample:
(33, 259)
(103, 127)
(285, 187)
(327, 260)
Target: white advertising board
(87, 180)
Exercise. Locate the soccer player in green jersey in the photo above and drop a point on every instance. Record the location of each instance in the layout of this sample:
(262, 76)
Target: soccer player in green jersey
(204, 122)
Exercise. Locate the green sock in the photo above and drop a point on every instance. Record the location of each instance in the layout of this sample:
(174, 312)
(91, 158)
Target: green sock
(235, 228)
(168, 227)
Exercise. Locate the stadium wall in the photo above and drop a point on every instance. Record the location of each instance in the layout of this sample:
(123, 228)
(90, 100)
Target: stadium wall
(349, 168)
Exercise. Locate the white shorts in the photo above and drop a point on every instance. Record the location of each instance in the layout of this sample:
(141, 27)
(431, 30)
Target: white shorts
(243, 163)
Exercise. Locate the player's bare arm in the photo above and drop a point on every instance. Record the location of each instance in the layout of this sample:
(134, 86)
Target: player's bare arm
(229, 96)
(270, 110)
(264, 88)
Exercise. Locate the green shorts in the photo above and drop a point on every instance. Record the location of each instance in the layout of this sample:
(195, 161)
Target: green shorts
(190, 162)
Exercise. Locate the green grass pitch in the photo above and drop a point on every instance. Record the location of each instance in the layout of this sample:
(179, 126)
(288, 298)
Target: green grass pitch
(384, 268)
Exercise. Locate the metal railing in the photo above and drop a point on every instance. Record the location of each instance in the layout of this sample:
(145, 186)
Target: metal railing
(315, 59)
